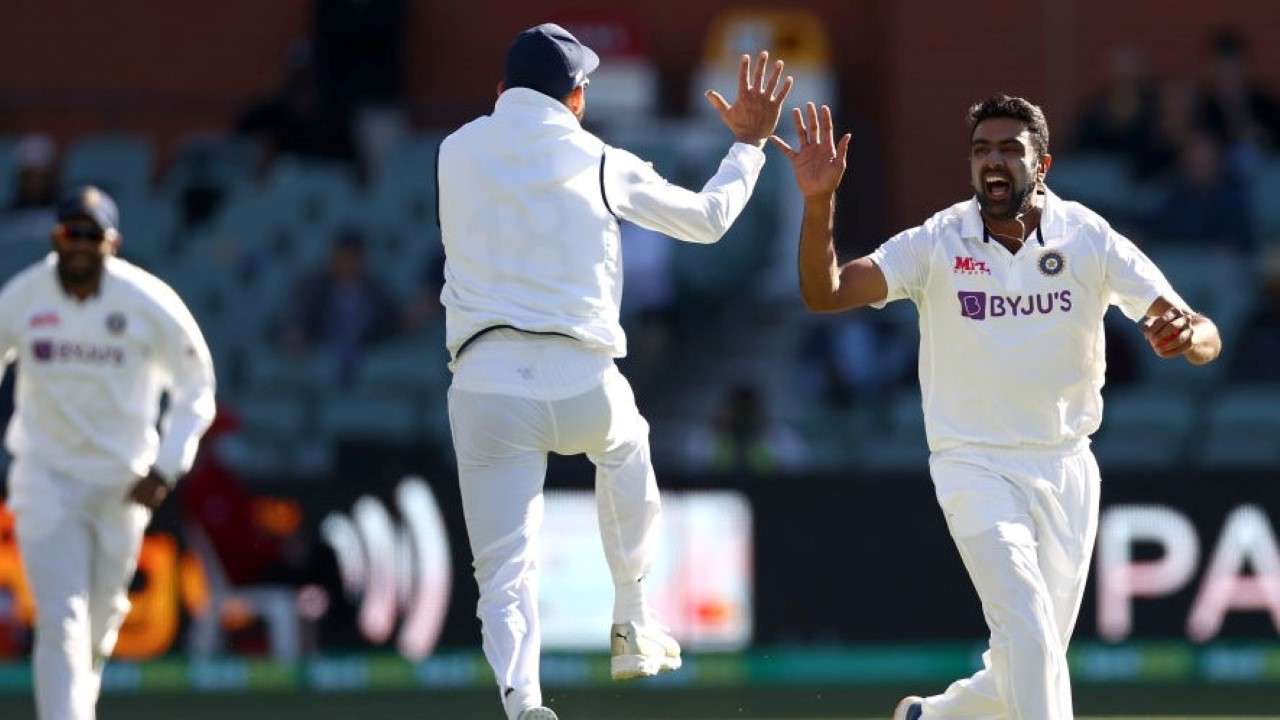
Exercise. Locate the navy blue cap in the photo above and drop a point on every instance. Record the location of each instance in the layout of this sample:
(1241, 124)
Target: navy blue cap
(549, 59)
(90, 203)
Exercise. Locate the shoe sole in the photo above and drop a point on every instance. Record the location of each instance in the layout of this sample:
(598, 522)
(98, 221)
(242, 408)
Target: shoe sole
(904, 705)
(630, 667)
(538, 714)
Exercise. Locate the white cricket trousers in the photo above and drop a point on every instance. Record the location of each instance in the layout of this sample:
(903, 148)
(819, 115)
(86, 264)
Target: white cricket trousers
(79, 542)
(1024, 522)
(501, 442)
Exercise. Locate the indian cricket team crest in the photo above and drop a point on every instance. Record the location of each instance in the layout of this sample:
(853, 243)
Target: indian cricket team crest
(1052, 262)
(116, 323)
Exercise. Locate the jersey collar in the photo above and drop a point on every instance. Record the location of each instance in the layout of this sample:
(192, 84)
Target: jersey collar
(534, 105)
(1051, 219)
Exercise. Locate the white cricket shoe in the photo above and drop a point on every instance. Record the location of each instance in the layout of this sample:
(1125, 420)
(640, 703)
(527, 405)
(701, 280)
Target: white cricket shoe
(537, 713)
(909, 708)
(641, 651)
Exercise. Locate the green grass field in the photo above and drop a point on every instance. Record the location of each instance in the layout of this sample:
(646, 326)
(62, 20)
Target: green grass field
(1093, 703)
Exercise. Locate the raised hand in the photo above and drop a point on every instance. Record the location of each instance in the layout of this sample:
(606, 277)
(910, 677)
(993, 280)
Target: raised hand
(818, 160)
(754, 115)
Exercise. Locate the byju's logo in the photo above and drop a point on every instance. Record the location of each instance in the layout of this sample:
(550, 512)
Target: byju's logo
(395, 569)
(45, 350)
(980, 306)
(973, 305)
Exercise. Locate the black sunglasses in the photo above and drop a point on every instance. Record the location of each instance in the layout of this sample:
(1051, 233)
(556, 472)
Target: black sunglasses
(83, 232)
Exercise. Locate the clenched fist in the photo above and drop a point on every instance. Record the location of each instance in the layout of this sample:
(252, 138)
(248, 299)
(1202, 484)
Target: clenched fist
(1171, 334)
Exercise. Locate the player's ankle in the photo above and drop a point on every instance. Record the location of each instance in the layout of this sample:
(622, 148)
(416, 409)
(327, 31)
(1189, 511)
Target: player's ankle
(628, 603)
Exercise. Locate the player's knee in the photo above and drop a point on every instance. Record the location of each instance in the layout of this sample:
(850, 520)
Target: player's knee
(507, 614)
(105, 621)
(641, 428)
(1031, 648)
(1024, 619)
(1032, 639)
(64, 627)
(503, 564)
(104, 610)
(633, 448)
(503, 597)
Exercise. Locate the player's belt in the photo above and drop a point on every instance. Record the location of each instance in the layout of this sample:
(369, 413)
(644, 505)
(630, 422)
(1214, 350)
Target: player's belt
(491, 328)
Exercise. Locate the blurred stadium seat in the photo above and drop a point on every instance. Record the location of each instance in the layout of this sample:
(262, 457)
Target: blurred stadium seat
(1144, 427)
(8, 169)
(215, 160)
(311, 197)
(402, 255)
(405, 192)
(120, 164)
(1266, 201)
(409, 366)
(373, 417)
(277, 418)
(902, 444)
(311, 376)
(17, 256)
(1099, 181)
(147, 226)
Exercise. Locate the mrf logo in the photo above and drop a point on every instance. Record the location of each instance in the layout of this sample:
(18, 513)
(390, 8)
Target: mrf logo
(969, 266)
(980, 306)
(44, 319)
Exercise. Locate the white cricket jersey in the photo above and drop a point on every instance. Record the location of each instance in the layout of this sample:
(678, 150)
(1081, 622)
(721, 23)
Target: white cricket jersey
(529, 211)
(1011, 345)
(92, 373)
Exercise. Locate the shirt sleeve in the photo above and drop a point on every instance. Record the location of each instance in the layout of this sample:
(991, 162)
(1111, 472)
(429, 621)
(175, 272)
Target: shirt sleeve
(185, 357)
(904, 261)
(1133, 281)
(634, 191)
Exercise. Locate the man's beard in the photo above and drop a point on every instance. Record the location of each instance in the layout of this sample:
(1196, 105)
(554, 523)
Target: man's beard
(74, 277)
(1017, 204)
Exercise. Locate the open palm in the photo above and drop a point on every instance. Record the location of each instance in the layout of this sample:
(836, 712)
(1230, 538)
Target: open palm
(818, 161)
(754, 114)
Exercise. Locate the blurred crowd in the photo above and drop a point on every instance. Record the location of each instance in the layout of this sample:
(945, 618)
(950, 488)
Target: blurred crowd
(305, 241)
(1203, 141)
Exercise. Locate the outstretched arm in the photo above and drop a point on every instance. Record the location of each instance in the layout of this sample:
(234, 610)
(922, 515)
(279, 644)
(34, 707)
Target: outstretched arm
(819, 162)
(636, 192)
(1174, 332)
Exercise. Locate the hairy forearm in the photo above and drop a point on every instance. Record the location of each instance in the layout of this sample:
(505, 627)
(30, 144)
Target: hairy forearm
(819, 269)
(1207, 343)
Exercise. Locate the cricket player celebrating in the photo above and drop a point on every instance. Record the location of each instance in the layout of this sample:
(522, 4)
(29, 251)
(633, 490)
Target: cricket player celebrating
(529, 209)
(98, 341)
(1011, 286)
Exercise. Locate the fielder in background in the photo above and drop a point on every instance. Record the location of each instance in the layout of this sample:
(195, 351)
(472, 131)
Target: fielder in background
(529, 209)
(98, 341)
(1011, 286)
